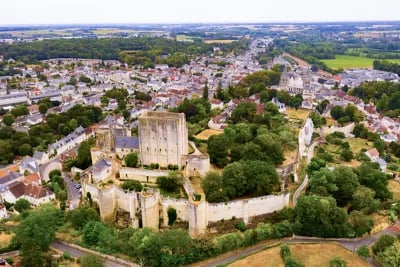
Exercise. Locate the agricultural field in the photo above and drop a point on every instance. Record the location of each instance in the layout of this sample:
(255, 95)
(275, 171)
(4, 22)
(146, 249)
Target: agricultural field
(219, 41)
(309, 255)
(347, 62)
(357, 144)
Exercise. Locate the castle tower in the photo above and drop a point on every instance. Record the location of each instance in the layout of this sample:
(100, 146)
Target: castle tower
(197, 216)
(284, 81)
(163, 138)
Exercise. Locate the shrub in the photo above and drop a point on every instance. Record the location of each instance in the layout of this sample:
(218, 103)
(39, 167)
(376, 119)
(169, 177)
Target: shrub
(132, 185)
(22, 205)
(171, 215)
(363, 252)
(241, 226)
(337, 262)
(382, 243)
(285, 252)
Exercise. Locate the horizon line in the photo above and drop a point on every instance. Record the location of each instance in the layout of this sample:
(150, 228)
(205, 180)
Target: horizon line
(191, 23)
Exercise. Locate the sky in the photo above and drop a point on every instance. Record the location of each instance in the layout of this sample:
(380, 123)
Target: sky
(187, 11)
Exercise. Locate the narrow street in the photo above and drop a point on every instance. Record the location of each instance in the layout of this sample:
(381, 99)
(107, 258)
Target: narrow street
(76, 253)
(74, 194)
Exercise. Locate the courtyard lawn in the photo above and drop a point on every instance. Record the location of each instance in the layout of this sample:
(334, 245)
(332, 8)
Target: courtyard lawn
(204, 135)
(308, 254)
(347, 62)
(357, 144)
(299, 114)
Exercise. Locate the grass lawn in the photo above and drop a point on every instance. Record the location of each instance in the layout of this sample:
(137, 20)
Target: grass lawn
(5, 239)
(394, 187)
(381, 222)
(269, 257)
(347, 62)
(299, 114)
(204, 135)
(357, 144)
(308, 254)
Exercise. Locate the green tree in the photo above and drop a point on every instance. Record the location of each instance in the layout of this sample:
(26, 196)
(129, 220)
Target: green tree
(91, 260)
(214, 188)
(22, 204)
(131, 160)
(347, 183)
(364, 200)
(234, 179)
(79, 217)
(363, 252)
(337, 112)
(131, 185)
(8, 119)
(205, 90)
(360, 222)
(390, 257)
(382, 243)
(83, 159)
(319, 216)
(25, 150)
(35, 234)
(43, 107)
(218, 150)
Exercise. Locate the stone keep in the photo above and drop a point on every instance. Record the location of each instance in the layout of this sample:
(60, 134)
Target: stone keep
(163, 138)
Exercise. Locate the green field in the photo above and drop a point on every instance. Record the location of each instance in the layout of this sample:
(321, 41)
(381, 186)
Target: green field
(347, 62)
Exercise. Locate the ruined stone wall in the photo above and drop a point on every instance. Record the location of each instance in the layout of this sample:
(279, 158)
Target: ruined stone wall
(144, 176)
(107, 204)
(150, 209)
(196, 165)
(347, 130)
(180, 205)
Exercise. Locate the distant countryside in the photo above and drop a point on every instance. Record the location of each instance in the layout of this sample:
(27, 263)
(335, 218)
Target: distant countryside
(347, 62)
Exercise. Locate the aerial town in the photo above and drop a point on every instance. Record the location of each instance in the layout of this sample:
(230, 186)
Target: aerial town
(144, 160)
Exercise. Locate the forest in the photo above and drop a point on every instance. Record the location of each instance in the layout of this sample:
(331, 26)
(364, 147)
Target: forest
(144, 51)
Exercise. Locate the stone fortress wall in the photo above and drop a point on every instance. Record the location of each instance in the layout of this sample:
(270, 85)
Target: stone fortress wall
(163, 139)
(198, 214)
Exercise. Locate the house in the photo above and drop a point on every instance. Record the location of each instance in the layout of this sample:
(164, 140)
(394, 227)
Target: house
(216, 103)
(382, 164)
(35, 194)
(125, 145)
(388, 138)
(101, 170)
(32, 178)
(3, 212)
(34, 119)
(29, 164)
(372, 154)
(40, 157)
(281, 106)
(70, 141)
(10, 178)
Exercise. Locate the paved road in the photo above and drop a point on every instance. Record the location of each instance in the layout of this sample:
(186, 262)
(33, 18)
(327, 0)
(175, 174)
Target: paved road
(74, 194)
(76, 253)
